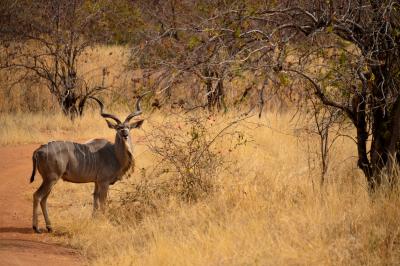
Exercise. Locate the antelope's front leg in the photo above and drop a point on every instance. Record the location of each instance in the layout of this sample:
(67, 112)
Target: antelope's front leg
(103, 191)
(95, 199)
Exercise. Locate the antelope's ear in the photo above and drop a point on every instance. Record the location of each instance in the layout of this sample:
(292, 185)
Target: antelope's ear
(136, 124)
(111, 124)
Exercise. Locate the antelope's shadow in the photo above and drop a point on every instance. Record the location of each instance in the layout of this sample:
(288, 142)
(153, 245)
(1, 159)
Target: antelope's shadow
(21, 230)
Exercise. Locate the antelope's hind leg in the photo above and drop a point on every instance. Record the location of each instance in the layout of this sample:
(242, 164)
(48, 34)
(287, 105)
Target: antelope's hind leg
(43, 204)
(40, 196)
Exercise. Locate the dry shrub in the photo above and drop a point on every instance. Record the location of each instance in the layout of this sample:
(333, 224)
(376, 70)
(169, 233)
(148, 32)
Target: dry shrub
(186, 166)
(184, 149)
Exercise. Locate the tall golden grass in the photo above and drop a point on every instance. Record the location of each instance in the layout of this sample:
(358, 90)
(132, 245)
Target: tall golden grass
(267, 208)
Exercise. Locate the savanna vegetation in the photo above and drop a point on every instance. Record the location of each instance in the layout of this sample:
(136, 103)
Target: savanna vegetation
(271, 129)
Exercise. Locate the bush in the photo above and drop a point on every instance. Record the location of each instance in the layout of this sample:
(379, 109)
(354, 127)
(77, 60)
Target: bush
(188, 160)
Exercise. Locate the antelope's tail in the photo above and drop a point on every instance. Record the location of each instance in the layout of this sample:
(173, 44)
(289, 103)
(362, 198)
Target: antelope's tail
(34, 167)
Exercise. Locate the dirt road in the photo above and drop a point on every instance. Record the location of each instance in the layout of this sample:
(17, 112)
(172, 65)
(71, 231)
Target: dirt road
(18, 244)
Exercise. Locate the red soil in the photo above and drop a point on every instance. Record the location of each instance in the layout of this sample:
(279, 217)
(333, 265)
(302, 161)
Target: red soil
(18, 244)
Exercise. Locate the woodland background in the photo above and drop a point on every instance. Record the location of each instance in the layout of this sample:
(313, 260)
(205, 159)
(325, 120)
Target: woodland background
(271, 135)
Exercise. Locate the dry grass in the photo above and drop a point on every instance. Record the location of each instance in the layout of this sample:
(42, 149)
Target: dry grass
(266, 210)
(20, 128)
(266, 207)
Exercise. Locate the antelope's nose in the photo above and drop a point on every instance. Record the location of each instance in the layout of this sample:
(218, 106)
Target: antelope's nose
(125, 134)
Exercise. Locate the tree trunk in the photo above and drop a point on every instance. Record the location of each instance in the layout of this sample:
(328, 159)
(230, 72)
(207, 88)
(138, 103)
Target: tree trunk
(81, 105)
(385, 131)
(68, 104)
(215, 96)
(395, 137)
(219, 95)
(359, 105)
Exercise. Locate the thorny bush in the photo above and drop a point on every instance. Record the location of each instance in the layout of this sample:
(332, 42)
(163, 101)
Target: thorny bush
(190, 152)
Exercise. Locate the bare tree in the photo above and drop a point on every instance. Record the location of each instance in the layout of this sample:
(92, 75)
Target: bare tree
(210, 43)
(345, 52)
(352, 67)
(45, 39)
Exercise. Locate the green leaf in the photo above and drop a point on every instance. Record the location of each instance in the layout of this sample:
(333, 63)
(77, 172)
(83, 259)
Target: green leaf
(284, 79)
(237, 33)
(372, 77)
(342, 58)
(193, 42)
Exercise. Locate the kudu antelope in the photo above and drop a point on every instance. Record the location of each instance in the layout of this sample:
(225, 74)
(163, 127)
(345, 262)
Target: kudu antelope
(98, 161)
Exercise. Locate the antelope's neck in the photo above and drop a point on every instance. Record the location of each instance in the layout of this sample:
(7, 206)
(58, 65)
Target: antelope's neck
(124, 153)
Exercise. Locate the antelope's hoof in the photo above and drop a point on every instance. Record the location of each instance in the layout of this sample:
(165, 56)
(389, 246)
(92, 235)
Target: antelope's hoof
(49, 229)
(37, 230)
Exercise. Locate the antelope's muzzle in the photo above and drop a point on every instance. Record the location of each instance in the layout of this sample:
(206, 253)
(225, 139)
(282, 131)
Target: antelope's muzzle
(125, 134)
